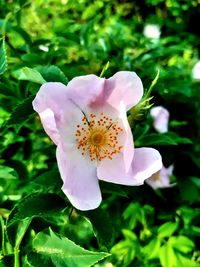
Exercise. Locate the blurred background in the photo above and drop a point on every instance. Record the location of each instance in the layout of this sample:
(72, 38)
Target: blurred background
(140, 226)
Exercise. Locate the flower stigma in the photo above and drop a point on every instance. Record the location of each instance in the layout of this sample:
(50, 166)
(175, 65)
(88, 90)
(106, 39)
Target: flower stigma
(98, 137)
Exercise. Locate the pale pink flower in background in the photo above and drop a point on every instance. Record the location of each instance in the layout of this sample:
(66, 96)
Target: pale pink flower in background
(87, 121)
(161, 179)
(152, 31)
(196, 71)
(160, 117)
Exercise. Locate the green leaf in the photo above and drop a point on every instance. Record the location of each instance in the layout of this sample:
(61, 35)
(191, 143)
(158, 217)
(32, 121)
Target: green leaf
(102, 225)
(23, 34)
(155, 140)
(152, 250)
(28, 74)
(188, 214)
(36, 205)
(166, 255)
(178, 139)
(188, 189)
(182, 243)
(134, 213)
(48, 179)
(22, 227)
(167, 229)
(196, 181)
(182, 261)
(7, 173)
(195, 230)
(21, 112)
(3, 58)
(50, 249)
(112, 189)
(126, 250)
(129, 235)
(52, 74)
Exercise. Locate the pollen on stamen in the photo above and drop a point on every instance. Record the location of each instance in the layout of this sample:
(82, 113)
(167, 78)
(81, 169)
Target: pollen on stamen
(97, 137)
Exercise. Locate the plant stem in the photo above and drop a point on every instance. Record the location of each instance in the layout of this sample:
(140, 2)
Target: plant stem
(21, 232)
(2, 234)
(16, 258)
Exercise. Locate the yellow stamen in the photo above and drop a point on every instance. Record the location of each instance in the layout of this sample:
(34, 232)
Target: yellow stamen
(98, 137)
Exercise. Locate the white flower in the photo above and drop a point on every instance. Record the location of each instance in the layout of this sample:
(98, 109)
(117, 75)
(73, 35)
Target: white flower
(152, 31)
(161, 179)
(196, 71)
(87, 121)
(44, 48)
(160, 117)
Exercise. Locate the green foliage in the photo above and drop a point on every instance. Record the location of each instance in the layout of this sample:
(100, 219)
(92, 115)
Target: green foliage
(21, 112)
(3, 59)
(28, 74)
(173, 253)
(97, 218)
(167, 229)
(36, 205)
(152, 249)
(49, 249)
(52, 74)
(7, 173)
(162, 139)
(127, 249)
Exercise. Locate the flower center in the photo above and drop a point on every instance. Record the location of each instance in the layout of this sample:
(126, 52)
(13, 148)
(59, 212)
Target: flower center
(98, 137)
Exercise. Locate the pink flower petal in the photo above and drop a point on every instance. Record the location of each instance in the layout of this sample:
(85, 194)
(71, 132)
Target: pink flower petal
(49, 103)
(125, 138)
(80, 183)
(84, 90)
(48, 121)
(59, 115)
(160, 117)
(146, 161)
(161, 179)
(128, 145)
(114, 171)
(124, 86)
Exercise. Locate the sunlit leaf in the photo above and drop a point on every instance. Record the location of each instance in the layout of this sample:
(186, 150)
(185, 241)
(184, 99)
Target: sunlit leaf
(167, 229)
(126, 249)
(28, 74)
(50, 249)
(182, 243)
(152, 250)
(52, 74)
(167, 256)
(182, 261)
(22, 228)
(7, 173)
